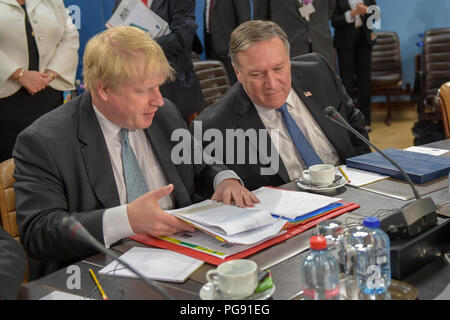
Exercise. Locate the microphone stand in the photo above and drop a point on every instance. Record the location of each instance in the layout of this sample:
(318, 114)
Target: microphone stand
(77, 229)
(411, 219)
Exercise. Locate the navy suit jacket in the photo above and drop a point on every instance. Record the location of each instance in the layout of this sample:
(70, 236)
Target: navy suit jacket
(310, 72)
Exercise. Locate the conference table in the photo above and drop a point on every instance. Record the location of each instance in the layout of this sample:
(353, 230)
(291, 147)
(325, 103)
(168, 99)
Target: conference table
(431, 280)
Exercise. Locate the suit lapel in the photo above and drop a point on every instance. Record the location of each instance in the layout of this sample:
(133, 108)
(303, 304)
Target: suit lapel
(95, 155)
(162, 151)
(156, 5)
(248, 118)
(331, 130)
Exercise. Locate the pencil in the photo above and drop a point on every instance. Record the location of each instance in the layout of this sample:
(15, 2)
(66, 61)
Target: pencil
(343, 174)
(104, 296)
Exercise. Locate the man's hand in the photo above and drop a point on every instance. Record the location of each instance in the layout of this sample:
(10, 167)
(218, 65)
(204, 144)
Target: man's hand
(147, 217)
(231, 190)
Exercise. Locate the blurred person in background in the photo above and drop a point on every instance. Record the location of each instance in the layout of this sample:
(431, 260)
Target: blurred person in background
(353, 41)
(38, 61)
(306, 23)
(185, 91)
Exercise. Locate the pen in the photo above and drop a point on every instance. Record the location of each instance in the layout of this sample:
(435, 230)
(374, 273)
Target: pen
(104, 296)
(343, 174)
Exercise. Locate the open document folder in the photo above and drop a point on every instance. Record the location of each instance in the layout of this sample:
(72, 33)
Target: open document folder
(135, 13)
(268, 218)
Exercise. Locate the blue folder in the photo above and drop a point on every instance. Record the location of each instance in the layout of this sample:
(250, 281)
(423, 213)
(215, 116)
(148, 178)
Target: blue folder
(420, 167)
(311, 214)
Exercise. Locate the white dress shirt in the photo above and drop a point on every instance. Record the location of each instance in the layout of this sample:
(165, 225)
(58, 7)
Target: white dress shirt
(116, 225)
(273, 120)
(357, 20)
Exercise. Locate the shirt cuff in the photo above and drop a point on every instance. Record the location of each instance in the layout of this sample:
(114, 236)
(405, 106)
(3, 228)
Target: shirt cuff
(226, 174)
(348, 17)
(116, 225)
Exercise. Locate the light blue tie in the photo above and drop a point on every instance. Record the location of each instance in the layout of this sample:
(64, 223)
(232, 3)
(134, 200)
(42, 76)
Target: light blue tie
(305, 150)
(134, 179)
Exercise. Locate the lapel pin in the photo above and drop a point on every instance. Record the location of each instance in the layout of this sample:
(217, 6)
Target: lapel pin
(307, 94)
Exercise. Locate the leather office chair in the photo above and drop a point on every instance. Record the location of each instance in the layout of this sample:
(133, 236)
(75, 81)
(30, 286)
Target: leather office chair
(434, 71)
(213, 79)
(7, 201)
(387, 75)
(7, 198)
(443, 101)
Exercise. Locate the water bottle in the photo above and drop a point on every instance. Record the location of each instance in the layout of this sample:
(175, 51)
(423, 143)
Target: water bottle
(376, 278)
(358, 248)
(333, 231)
(319, 272)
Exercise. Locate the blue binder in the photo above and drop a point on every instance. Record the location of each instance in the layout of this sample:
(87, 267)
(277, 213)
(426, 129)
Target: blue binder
(420, 167)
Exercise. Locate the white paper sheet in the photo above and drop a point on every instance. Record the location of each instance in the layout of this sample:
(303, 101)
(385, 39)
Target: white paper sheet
(290, 204)
(359, 178)
(135, 13)
(426, 150)
(156, 264)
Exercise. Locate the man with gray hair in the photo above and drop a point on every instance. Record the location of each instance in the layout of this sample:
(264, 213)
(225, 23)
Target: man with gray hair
(287, 98)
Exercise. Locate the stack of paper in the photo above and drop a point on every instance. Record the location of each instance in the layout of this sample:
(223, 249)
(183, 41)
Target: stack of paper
(267, 219)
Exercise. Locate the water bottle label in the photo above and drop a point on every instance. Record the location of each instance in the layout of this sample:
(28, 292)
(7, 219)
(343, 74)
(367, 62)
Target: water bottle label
(310, 293)
(374, 280)
(330, 294)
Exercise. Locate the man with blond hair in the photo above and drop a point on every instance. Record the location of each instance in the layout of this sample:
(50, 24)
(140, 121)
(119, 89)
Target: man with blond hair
(105, 157)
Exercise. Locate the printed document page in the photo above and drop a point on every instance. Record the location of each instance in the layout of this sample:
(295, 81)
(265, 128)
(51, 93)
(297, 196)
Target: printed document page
(135, 13)
(156, 264)
(358, 177)
(290, 204)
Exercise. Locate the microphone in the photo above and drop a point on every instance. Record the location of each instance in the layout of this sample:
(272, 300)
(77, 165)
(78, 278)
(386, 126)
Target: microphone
(77, 230)
(411, 219)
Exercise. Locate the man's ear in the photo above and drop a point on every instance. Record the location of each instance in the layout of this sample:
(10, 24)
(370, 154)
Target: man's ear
(103, 91)
(238, 74)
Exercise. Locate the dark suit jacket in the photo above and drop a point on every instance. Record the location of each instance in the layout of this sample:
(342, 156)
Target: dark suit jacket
(63, 167)
(310, 72)
(185, 91)
(225, 16)
(285, 13)
(12, 265)
(345, 34)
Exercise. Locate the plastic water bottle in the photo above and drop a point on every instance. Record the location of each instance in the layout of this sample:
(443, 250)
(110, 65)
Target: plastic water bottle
(358, 248)
(375, 268)
(319, 272)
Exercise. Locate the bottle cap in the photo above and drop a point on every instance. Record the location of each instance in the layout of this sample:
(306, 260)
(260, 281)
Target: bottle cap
(371, 222)
(318, 243)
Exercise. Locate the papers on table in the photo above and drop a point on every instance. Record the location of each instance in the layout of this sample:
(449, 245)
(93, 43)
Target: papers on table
(358, 177)
(289, 204)
(252, 225)
(230, 223)
(156, 264)
(135, 13)
(426, 150)
(60, 295)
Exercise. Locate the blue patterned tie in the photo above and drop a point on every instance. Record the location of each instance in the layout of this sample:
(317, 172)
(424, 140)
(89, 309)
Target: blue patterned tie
(134, 179)
(305, 150)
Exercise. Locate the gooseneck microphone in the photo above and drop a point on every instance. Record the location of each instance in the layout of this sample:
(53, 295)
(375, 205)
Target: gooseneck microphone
(412, 218)
(76, 229)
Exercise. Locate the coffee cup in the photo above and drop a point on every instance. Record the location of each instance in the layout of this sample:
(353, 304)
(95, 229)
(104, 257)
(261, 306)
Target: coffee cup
(319, 174)
(235, 279)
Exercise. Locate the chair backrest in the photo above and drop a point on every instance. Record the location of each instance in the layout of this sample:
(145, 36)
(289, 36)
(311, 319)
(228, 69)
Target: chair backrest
(443, 100)
(7, 198)
(435, 61)
(386, 61)
(213, 79)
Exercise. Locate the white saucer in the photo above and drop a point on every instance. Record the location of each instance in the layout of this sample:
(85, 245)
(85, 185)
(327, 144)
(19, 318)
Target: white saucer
(306, 185)
(208, 292)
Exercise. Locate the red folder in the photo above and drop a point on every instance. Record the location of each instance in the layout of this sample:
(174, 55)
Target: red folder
(291, 231)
